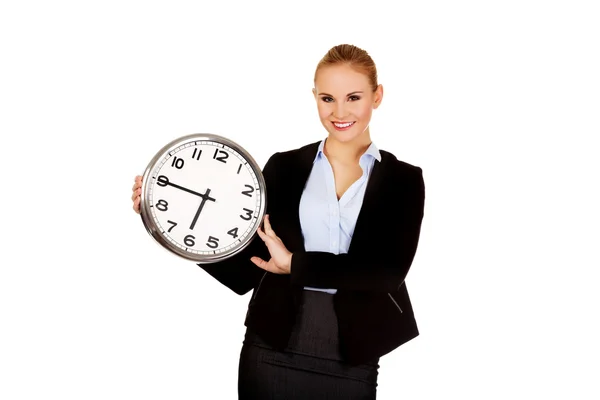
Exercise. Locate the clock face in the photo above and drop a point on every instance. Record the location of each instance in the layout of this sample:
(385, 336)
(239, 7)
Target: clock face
(204, 199)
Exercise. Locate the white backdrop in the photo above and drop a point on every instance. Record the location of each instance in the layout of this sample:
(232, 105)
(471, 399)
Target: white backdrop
(498, 102)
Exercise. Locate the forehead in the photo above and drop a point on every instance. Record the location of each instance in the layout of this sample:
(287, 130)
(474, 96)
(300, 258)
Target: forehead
(340, 79)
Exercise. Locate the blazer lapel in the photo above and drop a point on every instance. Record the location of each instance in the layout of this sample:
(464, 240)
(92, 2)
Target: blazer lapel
(370, 203)
(301, 171)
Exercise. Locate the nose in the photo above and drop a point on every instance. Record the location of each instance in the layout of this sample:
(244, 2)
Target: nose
(339, 112)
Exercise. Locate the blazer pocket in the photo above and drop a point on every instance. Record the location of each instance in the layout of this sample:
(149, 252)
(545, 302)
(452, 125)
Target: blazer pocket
(395, 303)
(258, 287)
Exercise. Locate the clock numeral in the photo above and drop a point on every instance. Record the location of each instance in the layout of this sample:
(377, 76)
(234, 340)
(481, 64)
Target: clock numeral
(213, 242)
(162, 180)
(197, 153)
(233, 232)
(174, 225)
(239, 169)
(248, 214)
(162, 205)
(220, 155)
(249, 191)
(177, 162)
(189, 240)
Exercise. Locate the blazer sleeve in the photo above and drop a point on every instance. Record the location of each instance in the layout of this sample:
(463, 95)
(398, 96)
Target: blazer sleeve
(238, 273)
(381, 270)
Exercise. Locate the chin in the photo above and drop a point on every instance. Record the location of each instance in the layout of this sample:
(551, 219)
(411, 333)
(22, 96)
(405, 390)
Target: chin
(346, 136)
(342, 138)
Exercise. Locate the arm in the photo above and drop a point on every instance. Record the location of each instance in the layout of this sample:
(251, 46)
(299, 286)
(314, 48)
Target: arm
(238, 273)
(384, 268)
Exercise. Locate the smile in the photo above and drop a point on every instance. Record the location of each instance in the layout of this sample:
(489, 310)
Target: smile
(340, 126)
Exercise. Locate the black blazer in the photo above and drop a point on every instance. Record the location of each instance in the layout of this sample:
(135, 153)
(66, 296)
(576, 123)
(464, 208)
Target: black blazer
(374, 311)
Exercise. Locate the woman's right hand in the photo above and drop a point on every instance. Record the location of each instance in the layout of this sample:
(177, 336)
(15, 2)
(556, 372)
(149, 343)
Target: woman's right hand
(137, 192)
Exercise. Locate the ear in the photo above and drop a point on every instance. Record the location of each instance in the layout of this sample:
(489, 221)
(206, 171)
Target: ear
(314, 93)
(377, 96)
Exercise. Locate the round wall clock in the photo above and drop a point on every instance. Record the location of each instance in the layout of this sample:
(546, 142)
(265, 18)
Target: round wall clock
(203, 197)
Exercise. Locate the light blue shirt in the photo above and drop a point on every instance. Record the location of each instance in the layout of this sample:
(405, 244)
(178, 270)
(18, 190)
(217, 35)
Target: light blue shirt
(328, 224)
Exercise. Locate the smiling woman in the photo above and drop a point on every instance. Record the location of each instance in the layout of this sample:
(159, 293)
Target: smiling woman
(328, 273)
(347, 92)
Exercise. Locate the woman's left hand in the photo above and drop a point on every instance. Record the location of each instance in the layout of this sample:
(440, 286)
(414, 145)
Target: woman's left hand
(281, 258)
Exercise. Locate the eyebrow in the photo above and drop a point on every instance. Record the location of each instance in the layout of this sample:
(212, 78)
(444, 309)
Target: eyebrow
(349, 94)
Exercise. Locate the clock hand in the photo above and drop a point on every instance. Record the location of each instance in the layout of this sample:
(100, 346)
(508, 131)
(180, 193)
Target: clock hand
(164, 181)
(205, 198)
(184, 189)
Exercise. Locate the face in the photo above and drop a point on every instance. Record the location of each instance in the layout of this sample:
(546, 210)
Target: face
(345, 101)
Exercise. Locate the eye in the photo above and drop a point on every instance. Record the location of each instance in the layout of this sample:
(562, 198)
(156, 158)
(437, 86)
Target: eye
(354, 98)
(327, 99)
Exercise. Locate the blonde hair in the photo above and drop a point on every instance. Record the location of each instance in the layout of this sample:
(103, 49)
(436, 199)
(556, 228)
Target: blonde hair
(355, 57)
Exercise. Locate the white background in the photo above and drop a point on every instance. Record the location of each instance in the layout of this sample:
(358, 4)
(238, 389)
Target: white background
(498, 102)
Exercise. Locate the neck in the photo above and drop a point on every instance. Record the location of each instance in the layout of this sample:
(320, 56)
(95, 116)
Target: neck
(347, 152)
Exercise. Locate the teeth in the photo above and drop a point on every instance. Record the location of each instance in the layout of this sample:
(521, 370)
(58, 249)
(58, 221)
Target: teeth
(343, 125)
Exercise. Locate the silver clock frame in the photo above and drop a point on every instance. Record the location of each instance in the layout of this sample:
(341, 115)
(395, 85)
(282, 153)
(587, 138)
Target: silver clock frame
(146, 213)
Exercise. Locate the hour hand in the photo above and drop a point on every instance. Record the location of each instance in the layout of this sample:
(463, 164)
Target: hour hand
(205, 197)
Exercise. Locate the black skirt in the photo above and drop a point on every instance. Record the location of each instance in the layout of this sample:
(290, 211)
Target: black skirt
(310, 367)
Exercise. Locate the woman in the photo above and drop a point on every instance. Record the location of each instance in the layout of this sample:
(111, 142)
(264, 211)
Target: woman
(343, 225)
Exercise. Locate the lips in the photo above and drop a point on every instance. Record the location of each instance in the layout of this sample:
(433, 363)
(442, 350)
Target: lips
(342, 126)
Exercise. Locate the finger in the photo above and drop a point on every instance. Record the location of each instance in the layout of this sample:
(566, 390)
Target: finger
(268, 238)
(137, 183)
(271, 232)
(136, 205)
(262, 234)
(268, 229)
(136, 194)
(259, 262)
(266, 223)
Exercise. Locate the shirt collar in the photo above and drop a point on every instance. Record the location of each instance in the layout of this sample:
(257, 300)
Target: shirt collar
(372, 151)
